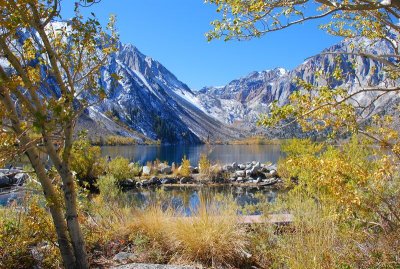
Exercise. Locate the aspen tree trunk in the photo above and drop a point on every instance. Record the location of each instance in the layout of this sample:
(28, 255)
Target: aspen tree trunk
(50, 193)
(70, 197)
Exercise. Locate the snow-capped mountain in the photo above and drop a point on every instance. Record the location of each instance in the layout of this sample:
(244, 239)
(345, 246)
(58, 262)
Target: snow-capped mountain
(152, 101)
(241, 101)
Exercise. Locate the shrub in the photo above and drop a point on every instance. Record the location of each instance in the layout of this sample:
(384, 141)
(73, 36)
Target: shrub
(135, 168)
(86, 160)
(204, 165)
(359, 186)
(26, 235)
(108, 187)
(185, 167)
(119, 169)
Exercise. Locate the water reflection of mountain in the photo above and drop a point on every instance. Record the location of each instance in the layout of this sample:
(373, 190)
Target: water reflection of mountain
(175, 153)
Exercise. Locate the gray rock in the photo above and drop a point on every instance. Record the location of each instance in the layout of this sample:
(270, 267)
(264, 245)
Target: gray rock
(234, 165)
(124, 257)
(154, 181)
(270, 181)
(165, 169)
(185, 180)
(249, 166)
(273, 173)
(248, 172)
(168, 181)
(258, 165)
(258, 180)
(5, 180)
(242, 166)
(228, 168)
(146, 170)
(20, 178)
(272, 167)
(240, 173)
(195, 170)
(240, 179)
(232, 179)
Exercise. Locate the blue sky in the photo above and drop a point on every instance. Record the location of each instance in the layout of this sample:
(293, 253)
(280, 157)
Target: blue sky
(172, 32)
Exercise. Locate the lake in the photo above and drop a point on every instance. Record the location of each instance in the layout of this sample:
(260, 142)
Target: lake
(174, 153)
(187, 199)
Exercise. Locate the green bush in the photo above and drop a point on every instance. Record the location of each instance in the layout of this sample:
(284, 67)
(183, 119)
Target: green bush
(119, 169)
(109, 189)
(86, 160)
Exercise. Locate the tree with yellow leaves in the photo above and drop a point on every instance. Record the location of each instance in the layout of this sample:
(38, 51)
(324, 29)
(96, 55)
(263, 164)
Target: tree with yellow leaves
(49, 74)
(320, 104)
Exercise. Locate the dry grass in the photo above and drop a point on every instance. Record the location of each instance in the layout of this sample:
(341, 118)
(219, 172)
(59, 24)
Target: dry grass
(212, 236)
(255, 140)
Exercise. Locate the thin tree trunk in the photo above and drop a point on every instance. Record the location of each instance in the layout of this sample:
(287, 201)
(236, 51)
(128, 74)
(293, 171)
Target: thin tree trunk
(74, 228)
(70, 198)
(48, 188)
(67, 254)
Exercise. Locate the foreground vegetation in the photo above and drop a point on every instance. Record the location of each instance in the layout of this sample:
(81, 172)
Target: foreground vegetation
(345, 203)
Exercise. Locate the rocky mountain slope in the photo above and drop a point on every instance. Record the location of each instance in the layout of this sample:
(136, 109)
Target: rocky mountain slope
(149, 102)
(241, 101)
(152, 101)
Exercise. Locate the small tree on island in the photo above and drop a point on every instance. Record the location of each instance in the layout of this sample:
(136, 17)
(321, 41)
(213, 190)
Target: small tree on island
(49, 74)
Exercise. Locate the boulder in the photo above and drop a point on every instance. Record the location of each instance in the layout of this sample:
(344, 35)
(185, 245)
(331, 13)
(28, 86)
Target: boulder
(154, 181)
(273, 172)
(232, 179)
(272, 167)
(185, 180)
(146, 170)
(270, 181)
(240, 173)
(168, 180)
(234, 166)
(124, 257)
(240, 179)
(20, 178)
(164, 169)
(249, 166)
(228, 168)
(128, 184)
(5, 181)
(242, 166)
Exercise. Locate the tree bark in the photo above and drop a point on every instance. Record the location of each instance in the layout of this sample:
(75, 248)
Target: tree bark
(67, 254)
(70, 197)
(50, 193)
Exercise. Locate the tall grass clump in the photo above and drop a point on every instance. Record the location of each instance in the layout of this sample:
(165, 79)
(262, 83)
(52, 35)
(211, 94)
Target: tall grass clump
(204, 165)
(212, 236)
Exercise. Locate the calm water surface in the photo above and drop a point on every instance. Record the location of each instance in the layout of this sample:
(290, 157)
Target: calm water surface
(187, 199)
(175, 153)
